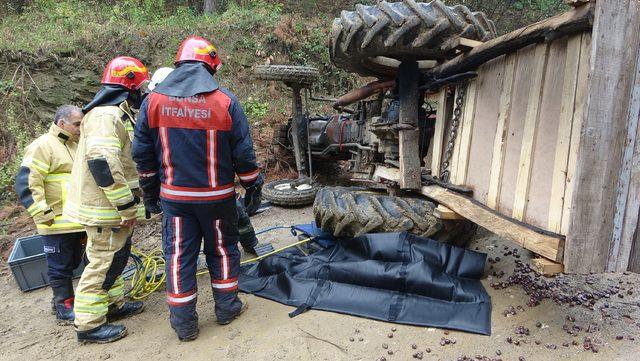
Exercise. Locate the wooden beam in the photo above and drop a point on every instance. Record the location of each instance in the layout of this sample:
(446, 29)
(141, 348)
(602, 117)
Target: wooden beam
(628, 199)
(465, 132)
(408, 74)
(530, 132)
(443, 212)
(500, 140)
(575, 21)
(616, 41)
(582, 90)
(445, 107)
(546, 244)
(546, 267)
(469, 43)
(565, 123)
(576, 3)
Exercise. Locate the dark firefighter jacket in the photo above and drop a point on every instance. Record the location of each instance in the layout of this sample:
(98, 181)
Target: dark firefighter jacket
(193, 143)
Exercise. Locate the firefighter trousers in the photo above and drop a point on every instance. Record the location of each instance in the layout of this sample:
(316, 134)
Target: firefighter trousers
(63, 253)
(101, 285)
(185, 226)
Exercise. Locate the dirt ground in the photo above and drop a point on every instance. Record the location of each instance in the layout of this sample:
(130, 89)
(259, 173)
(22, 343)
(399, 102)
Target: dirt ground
(265, 332)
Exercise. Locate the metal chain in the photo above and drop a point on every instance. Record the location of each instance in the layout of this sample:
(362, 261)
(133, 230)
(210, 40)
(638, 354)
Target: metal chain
(455, 124)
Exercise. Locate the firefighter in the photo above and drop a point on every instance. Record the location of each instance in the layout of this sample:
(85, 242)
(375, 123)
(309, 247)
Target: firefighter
(41, 184)
(103, 198)
(192, 139)
(247, 235)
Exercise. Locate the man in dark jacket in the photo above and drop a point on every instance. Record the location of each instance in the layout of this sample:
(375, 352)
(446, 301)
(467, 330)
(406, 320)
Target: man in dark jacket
(191, 140)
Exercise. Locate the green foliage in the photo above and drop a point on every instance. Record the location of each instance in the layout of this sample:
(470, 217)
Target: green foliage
(255, 109)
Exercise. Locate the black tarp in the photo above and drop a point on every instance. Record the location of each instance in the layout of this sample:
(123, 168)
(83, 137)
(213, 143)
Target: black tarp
(395, 277)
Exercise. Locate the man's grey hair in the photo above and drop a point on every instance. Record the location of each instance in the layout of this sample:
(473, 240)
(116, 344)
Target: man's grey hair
(65, 112)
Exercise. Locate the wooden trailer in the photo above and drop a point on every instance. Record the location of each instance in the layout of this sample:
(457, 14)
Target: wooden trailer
(548, 138)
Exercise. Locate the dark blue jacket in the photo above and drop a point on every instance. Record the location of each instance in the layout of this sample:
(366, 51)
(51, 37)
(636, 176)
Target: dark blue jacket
(194, 146)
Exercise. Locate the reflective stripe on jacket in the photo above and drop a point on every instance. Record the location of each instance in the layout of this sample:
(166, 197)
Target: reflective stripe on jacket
(195, 146)
(104, 178)
(43, 180)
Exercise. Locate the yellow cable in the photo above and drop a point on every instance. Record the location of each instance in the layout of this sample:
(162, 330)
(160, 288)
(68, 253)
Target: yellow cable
(145, 279)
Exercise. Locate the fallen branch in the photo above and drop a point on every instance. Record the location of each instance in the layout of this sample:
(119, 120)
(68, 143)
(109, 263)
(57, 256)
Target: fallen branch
(309, 335)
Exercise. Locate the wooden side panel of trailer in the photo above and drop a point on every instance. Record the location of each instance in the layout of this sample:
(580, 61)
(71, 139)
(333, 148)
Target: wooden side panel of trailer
(514, 142)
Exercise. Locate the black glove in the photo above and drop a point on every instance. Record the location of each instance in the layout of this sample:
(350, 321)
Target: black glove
(151, 205)
(151, 195)
(253, 196)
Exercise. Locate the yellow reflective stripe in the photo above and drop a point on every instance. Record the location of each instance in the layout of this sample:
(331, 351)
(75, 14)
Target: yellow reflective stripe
(60, 222)
(117, 289)
(39, 165)
(57, 177)
(133, 184)
(37, 208)
(140, 213)
(118, 194)
(104, 142)
(89, 212)
(89, 303)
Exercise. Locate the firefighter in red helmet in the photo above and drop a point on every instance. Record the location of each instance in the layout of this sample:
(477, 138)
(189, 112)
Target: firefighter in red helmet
(103, 198)
(192, 139)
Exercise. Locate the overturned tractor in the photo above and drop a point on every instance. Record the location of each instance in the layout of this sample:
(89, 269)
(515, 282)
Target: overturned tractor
(396, 43)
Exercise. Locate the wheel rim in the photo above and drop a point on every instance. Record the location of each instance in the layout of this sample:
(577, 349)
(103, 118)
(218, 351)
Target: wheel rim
(291, 187)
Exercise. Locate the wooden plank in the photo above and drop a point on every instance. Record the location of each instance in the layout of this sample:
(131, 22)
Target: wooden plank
(443, 113)
(576, 129)
(544, 148)
(500, 140)
(544, 243)
(469, 43)
(616, 41)
(408, 75)
(576, 3)
(630, 244)
(530, 132)
(519, 105)
(574, 21)
(565, 123)
(443, 212)
(490, 79)
(634, 259)
(546, 267)
(628, 200)
(464, 143)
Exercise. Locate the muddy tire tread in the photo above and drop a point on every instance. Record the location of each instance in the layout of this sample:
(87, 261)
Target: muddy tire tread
(348, 213)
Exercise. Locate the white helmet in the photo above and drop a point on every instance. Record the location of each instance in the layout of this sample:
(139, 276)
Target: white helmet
(158, 76)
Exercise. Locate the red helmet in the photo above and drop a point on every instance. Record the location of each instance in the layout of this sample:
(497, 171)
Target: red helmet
(195, 48)
(126, 71)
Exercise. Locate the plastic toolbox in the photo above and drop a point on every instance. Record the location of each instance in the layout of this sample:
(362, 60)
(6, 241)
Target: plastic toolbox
(28, 263)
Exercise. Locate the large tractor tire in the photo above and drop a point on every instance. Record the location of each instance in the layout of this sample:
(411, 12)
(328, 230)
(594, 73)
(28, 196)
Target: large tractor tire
(347, 213)
(372, 40)
(290, 74)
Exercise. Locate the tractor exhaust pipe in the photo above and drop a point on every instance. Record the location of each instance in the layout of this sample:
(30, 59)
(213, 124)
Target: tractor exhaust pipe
(363, 93)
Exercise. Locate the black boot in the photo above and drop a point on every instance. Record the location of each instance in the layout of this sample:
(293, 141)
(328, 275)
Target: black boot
(228, 306)
(186, 331)
(63, 301)
(128, 309)
(103, 334)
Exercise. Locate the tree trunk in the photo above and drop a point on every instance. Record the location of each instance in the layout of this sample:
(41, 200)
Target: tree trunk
(209, 7)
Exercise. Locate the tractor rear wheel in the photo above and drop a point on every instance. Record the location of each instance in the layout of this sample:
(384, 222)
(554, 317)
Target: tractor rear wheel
(373, 40)
(350, 213)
